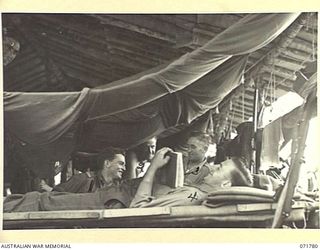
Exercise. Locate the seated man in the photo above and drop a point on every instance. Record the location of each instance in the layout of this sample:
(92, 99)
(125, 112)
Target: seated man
(197, 167)
(139, 158)
(109, 170)
(106, 187)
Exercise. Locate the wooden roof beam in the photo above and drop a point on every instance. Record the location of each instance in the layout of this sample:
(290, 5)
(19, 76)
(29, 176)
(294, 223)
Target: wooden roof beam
(279, 80)
(288, 63)
(239, 114)
(238, 102)
(78, 33)
(303, 45)
(308, 35)
(36, 82)
(54, 44)
(26, 76)
(298, 55)
(148, 26)
(22, 62)
(221, 20)
(76, 73)
(240, 109)
(56, 78)
(280, 86)
(279, 71)
(279, 46)
(82, 65)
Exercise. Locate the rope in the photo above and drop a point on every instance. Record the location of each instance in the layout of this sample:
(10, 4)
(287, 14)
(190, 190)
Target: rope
(269, 87)
(231, 121)
(243, 104)
(311, 56)
(267, 54)
(274, 89)
(313, 46)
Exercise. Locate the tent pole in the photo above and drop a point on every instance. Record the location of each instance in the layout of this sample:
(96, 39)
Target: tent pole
(285, 199)
(255, 128)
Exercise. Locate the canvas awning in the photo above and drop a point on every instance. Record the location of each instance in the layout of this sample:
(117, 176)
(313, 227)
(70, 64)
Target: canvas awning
(49, 126)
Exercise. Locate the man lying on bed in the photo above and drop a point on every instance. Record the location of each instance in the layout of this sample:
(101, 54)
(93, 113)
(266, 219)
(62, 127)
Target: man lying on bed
(230, 172)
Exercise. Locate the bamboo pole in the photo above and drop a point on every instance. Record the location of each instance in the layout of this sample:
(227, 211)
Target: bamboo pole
(284, 202)
(254, 155)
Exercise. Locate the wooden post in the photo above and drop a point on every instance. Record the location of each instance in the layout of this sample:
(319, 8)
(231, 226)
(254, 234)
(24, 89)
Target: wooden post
(255, 129)
(298, 145)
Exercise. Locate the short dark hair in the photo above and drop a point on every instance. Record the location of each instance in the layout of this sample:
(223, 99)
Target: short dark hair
(108, 153)
(242, 177)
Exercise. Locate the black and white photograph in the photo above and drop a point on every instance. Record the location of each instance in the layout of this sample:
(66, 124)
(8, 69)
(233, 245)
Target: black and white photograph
(160, 120)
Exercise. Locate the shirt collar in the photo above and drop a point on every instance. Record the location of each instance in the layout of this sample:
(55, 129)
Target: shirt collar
(196, 169)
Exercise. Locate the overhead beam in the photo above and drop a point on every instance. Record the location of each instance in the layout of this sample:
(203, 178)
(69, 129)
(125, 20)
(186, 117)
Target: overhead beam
(56, 78)
(282, 44)
(240, 109)
(303, 45)
(279, 47)
(278, 79)
(146, 25)
(279, 71)
(288, 63)
(308, 35)
(298, 55)
(111, 35)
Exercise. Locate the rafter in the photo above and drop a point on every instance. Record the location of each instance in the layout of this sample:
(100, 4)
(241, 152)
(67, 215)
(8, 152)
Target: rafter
(53, 73)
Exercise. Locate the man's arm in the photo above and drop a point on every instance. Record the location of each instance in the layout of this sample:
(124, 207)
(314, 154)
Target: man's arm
(159, 160)
(78, 183)
(182, 196)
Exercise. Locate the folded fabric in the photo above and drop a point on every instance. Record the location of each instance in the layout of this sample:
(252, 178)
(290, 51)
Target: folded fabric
(250, 191)
(235, 195)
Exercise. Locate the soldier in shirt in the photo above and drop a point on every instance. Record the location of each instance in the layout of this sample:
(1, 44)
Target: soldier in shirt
(145, 193)
(109, 169)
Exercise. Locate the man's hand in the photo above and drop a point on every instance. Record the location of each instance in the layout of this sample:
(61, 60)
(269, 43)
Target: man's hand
(161, 158)
(45, 187)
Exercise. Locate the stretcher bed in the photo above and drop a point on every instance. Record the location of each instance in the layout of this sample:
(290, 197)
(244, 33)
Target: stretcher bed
(231, 215)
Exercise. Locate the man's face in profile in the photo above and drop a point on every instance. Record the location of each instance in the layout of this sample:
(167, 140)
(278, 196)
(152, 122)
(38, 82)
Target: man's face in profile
(196, 149)
(220, 176)
(116, 167)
